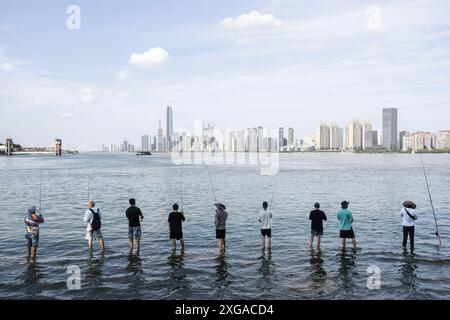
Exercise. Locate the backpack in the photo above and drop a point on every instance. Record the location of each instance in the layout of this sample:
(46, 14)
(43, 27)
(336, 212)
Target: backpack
(96, 223)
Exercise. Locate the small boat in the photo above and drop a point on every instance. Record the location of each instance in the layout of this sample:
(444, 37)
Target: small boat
(143, 153)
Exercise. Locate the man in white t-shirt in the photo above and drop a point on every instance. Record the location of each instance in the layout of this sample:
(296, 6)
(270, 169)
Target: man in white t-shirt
(93, 217)
(408, 215)
(265, 218)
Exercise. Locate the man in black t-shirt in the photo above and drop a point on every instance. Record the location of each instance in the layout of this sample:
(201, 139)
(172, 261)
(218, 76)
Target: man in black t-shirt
(134, 225)
(175, 220)
(317, 217)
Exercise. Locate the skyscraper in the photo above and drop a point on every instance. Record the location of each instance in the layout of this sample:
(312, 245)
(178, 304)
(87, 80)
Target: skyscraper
(390, 132)
(160, 139)
(290, 137)
(145, 143)
(323, 137)
(169, 128)
(280, 138)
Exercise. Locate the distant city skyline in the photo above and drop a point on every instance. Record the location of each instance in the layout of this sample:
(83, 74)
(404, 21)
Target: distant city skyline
(232, 63)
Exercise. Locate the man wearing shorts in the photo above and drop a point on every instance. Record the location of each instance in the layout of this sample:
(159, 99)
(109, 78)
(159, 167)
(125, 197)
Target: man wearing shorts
(93, 217)
(265, 218)
(133, 214)
(221, 225)
(175, 220)
(345, 218)
(317, 217)
(32, 221)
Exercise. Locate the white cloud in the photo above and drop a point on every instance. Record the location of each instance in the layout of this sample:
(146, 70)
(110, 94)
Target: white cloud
(152, 57)
(123, 94)
(124, 74)
(86, 90)
(66, 115)
(89, 98)
(6, 66)
(254, 19)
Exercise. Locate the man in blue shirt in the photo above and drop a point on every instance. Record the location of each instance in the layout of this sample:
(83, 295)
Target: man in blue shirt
(345, 222)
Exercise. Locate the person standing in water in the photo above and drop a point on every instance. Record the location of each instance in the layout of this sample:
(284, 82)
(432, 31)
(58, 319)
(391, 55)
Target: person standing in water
(317, 217)
(93, 218)
(221, 225)
(176, 219)
(133, 214)
(408, 215)
(265, 218)
(32, 222)
(345, 218)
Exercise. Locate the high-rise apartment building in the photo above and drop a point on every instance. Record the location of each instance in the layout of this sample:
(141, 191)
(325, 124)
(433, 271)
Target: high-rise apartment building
(390, 131)
(169, 128)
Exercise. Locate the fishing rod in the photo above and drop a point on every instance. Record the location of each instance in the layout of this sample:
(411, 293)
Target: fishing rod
(273, 193)
(40, 192)
(212, 187)
(431, 201)
(88, 189)
(181, 178)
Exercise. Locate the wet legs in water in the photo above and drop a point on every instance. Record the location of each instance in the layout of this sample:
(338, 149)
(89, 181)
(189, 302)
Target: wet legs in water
(269, 242)
(174, 244)
(408, 231)
(32, 250)
(138, 246)
(221, 243)
(311, 241)
(91, 246)
(344, 243)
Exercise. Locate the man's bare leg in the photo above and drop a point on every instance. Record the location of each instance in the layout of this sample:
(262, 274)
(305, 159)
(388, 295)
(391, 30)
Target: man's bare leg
(182, 244)
(354, 243)
(90, 245)
(343, 243)
(269, 240)
(131, 246)
(174, 244)
(138, 247)
(102, 245)
(33, 251)
(263, 242)
(29, 249)
(318, 241)
(311, 241)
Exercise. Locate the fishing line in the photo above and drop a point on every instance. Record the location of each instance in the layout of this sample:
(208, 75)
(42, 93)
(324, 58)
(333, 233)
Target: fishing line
(181, 178)
(40, 192)
(273, 193)
(431, 201)
(212, 187)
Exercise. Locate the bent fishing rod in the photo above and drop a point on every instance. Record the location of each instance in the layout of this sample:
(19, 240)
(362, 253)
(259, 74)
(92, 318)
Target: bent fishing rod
(40, 192)
(273, 193)
(431, 201)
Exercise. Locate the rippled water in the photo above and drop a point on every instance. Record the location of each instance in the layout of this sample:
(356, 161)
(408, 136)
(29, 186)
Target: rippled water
(376, 185)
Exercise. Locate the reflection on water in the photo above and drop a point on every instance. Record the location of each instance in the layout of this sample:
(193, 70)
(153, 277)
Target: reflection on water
(134, 267)
(177, 273)
(32, 277)
(94, 271)
(222, 276)
(347, 270)
(408, 271)
(266, 271)
(318, 274)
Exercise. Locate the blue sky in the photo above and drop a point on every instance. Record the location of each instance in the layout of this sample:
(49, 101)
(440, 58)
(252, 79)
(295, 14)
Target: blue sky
(235, 63)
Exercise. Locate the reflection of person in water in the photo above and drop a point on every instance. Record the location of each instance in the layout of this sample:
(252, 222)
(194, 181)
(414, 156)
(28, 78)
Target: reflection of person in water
(408, 271)
(347, 271)
(318, 273)
(266, 271)
(94, 271)
(134, 267)
(32, 277)
(177, 274)
(222, 280)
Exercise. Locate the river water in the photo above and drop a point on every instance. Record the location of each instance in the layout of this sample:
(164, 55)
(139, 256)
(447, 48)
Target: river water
(375, 184)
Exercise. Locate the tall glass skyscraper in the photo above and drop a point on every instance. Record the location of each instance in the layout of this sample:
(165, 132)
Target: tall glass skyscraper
(169, 128)
(390, 130)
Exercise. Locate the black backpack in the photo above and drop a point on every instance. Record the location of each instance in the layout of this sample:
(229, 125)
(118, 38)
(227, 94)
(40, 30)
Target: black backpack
(96, 223)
